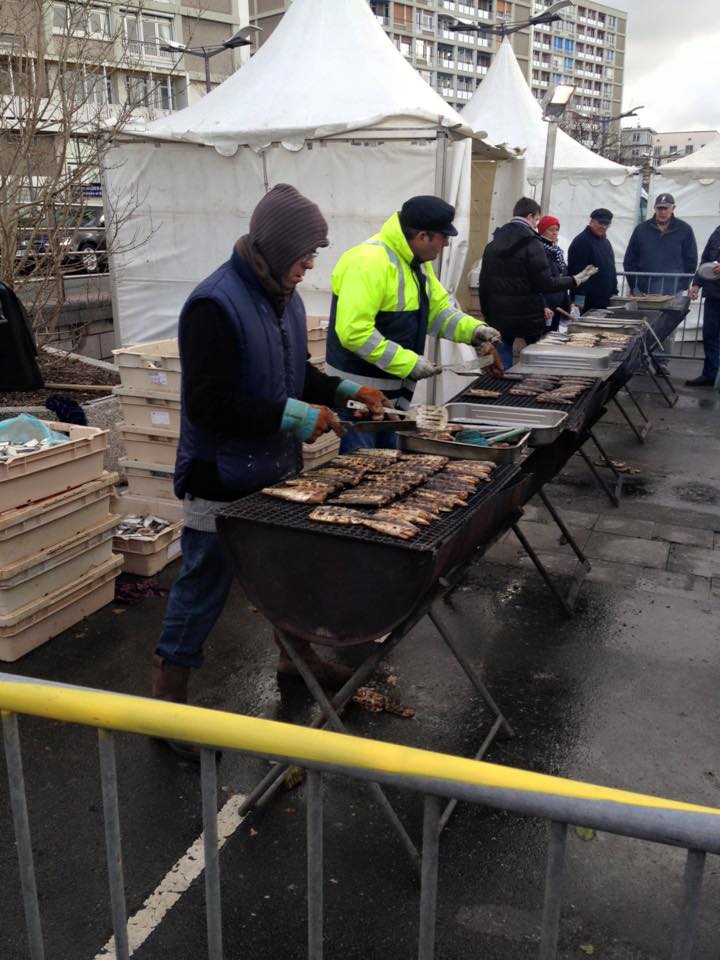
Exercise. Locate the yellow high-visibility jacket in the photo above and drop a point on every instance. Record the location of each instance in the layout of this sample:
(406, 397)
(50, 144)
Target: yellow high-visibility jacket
(376, 333)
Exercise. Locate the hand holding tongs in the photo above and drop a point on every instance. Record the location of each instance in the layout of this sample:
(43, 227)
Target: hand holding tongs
(426, 416)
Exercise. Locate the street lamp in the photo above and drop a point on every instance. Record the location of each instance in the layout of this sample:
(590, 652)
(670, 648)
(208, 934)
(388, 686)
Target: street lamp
(604, 121)
(503, 29)
(240, 39)
(554, 104)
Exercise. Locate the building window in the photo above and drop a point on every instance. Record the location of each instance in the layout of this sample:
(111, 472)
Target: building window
(611, 22)
(81, 20)
(150, 91)
(84, 86)
(145, 35)
(610, 56)
(569, 46)
(558, 43)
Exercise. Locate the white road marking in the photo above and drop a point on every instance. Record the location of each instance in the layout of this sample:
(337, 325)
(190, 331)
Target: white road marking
(176, 882)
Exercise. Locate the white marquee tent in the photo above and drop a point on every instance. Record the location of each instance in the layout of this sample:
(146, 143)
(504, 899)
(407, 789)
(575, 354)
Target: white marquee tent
(694, 182)
(327, 104)
(504, 106)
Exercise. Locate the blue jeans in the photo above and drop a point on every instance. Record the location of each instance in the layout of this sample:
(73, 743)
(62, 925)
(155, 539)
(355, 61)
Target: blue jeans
(505, 349)
(354, 440)
(196, 599)
(711, 338)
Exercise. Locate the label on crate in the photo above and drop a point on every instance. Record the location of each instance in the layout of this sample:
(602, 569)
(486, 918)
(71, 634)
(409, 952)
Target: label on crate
(159, 419)
(158, 376)
(174, 550)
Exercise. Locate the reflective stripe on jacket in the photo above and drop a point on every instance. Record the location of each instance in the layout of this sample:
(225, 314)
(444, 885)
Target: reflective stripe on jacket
(379, 320)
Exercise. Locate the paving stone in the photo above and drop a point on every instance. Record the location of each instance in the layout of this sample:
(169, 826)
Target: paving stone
(537, 512)
(547, 536)
(626, 527)
(688, 535)
(632, 550)
(695, 560)
(650, 580)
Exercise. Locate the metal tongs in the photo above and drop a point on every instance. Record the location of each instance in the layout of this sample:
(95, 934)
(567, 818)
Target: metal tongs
(468, 368)
(423, 417)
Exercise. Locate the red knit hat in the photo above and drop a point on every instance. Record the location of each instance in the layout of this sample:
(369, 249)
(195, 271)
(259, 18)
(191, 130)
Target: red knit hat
(546, 222)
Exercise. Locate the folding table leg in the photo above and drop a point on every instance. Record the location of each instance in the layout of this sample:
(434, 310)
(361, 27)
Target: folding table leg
(583, 566)
(644, 429)
(291, 645)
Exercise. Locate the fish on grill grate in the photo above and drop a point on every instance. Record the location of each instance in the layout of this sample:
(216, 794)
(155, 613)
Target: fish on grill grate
(392, 528)
(403, 513)
(364, 498)
(339, 515)
(471, 466)
(378, 453)
(307, 483)
(488, 394)
(524, 391)
(295, 494)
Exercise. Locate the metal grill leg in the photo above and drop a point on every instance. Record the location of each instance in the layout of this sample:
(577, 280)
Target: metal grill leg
(553, 891)
(644, 429)
(429, 873)
(692, 886)
(113, 842)
(315, 865)
(540, 567)
(583, 566)
(21, 822)
(658, 377)
(290, 644)
(614, 493)
(213, 913)
(270, 783)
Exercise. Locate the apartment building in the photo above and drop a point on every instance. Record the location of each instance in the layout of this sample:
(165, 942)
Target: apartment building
(586, 49)
(120, 57)
(644, 144)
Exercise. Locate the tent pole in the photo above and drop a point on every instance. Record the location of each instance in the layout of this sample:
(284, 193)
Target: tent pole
(440, 191)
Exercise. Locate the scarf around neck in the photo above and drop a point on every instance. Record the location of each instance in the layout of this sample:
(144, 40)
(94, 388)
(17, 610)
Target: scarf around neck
(277, 292)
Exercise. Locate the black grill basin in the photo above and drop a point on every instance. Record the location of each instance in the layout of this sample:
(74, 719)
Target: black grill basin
(345, 585)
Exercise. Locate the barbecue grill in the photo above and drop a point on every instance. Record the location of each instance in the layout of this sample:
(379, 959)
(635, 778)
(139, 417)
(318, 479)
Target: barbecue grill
(342, 585)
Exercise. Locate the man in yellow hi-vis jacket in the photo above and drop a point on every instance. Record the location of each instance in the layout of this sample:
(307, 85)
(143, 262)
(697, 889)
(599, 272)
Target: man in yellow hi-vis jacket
(387, 299)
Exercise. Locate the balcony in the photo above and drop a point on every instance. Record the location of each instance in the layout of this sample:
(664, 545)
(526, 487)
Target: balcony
(448, 4)
(383, 21)
(444, 64)
(464, 8)
(463, 94)
(481, 69)
(466, 66)
(148, 50)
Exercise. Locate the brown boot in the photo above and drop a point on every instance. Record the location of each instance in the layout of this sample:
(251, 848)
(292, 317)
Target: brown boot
(328, 673)
(170, 682)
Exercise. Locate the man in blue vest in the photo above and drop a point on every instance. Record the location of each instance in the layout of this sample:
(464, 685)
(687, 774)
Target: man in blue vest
(250, 398)
(387, 299)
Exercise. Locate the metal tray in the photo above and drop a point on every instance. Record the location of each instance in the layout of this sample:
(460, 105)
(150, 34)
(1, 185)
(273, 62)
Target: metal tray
(546, 425)
(560, 369)
(413, 443)
(566, 355)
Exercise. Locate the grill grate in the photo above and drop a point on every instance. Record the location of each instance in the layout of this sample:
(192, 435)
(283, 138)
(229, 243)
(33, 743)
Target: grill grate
(259, 508)
(576, 411)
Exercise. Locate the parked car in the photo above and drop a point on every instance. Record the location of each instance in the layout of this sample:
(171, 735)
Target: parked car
(76, 240)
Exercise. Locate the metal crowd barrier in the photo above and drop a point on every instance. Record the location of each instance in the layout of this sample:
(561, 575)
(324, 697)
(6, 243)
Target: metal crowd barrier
(686, 343)
(434, 775)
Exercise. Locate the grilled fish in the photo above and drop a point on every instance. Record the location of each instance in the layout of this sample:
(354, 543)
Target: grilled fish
(339, 515)
(295, 494)
(479, 392)
(392, 528)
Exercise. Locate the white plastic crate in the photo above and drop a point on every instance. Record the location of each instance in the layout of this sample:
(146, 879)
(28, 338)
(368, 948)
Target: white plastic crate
(35, 476)
(49, 570)
(149, 479)
(38, 526)
(45, 617)
(149, 409)
(125, 503)
(153, 366)
(149, 446)
(145, 558)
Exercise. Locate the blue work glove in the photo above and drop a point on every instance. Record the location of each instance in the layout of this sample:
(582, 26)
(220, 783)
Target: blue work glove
(307, 421)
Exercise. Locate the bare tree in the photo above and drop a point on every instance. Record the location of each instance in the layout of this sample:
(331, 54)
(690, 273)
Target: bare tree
(598, 134)
(69, 85)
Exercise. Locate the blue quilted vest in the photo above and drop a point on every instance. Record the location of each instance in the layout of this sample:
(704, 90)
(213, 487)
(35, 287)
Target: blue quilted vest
(273, 352)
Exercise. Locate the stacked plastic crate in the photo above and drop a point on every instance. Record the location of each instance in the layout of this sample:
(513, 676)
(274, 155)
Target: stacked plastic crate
(56, 532)
(149, 393)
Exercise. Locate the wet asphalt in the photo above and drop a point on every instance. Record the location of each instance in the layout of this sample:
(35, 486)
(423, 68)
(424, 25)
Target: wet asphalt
(624, 694)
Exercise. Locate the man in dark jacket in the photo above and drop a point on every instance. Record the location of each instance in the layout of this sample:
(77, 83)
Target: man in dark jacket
(514, 275)
(662, 244)
(250, 398)
(18, 352)
(708, 277)
(593, 246)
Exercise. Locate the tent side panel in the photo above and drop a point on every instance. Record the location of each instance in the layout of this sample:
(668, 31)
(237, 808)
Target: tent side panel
(697, 201)
(178, 209)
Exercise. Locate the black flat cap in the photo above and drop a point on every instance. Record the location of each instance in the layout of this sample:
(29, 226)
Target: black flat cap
(428, 213)
(665, 200)
(602, 215)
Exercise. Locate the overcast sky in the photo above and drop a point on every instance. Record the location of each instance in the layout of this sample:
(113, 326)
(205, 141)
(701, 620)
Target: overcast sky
(672, 63)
